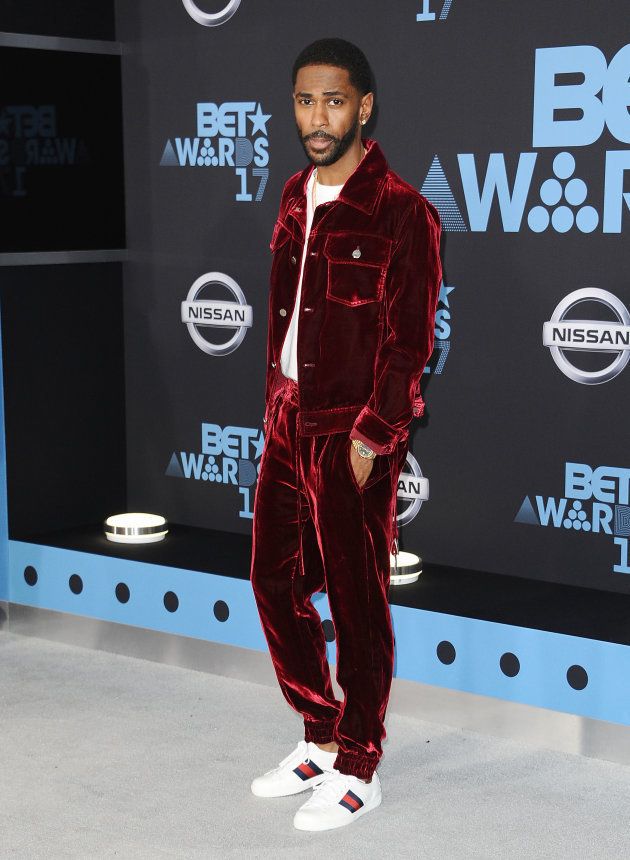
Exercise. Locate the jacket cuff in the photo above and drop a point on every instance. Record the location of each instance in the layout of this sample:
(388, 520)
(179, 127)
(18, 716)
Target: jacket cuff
(371, 429)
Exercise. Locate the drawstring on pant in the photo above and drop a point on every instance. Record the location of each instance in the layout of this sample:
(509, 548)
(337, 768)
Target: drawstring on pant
(394, 544)
(393, 548)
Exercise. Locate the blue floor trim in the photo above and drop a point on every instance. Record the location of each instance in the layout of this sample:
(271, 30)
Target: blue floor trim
(4, 535)
(549, 670)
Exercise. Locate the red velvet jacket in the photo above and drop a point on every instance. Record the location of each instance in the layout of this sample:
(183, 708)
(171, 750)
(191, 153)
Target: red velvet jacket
(367, 312)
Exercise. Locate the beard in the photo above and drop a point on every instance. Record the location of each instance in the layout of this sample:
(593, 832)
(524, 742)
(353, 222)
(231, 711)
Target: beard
(339, 147)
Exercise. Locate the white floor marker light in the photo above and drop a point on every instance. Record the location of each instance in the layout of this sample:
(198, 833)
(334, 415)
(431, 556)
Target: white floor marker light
(405, 567)
(135, 528)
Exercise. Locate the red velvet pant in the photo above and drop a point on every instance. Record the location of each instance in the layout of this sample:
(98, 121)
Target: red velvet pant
(315, 527)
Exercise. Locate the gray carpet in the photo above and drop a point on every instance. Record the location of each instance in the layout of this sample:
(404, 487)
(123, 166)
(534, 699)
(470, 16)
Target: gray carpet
(112, 756)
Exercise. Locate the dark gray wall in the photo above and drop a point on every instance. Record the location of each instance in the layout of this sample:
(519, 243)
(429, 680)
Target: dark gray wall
(502, 419)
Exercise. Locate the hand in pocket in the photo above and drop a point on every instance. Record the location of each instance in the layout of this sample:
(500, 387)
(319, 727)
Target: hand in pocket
(361, 466)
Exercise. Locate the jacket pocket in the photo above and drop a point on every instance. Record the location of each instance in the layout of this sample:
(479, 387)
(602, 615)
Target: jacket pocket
(357, 267)
(380, 465)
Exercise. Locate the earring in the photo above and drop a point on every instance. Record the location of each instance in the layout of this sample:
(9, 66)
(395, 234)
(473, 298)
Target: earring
(363, 121)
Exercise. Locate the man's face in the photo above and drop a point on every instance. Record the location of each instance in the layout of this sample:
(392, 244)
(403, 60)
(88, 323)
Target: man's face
(328, 109)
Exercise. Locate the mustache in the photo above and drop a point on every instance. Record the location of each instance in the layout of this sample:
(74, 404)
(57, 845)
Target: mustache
(318, 135)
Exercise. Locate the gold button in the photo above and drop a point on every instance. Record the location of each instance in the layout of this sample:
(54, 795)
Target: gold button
(282, 312)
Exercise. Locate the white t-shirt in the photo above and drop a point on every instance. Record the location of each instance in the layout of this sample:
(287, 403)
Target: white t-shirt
(324, 193)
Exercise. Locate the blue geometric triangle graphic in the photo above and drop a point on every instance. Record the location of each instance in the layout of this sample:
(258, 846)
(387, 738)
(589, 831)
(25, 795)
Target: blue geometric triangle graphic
(174, 468)
(437, 191)
(526, 514)
(169, 159)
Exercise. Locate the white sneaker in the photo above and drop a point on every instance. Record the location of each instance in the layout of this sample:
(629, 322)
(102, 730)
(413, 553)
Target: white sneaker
(337, 801)
(304, 768)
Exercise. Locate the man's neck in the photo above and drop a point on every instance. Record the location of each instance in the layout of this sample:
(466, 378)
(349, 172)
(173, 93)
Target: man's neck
(337, 173)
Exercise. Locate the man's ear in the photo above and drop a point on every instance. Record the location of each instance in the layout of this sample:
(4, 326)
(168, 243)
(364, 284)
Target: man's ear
(365, 111)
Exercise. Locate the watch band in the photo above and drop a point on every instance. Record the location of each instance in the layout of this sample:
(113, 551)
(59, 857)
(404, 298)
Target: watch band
(363, 450)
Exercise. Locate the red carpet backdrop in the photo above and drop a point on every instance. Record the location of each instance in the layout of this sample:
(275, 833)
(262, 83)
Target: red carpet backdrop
(513, 120)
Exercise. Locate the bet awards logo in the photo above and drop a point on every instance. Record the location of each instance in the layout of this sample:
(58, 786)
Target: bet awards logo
(201, 314)
(30, 138)
(230, 457)
(442, 332)
(566, 336)
(232, 135)
(561, 201)
(428, 14)
(413, 490)
(594, 501)
(211, 19)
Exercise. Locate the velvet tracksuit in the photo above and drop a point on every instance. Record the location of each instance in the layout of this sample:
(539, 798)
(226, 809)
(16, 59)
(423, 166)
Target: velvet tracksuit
(365, 332)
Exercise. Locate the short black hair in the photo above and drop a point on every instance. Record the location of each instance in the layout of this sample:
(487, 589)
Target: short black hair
(340, 53)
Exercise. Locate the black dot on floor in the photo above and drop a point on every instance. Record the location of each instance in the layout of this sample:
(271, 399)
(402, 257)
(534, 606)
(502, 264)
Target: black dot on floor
(446, 652)
(221, 610)
(30, 575)
(577, 677)
(329, 630)
(76, 583)
(122, 592)
(510, 664)
(171, 601)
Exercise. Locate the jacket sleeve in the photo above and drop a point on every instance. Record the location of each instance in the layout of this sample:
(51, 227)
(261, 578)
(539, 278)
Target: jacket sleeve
(411, 295)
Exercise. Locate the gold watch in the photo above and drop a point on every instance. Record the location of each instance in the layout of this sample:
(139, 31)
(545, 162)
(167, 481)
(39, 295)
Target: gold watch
(363, 450)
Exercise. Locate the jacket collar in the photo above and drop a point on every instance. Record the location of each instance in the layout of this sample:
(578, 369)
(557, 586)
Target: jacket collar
(362, 188)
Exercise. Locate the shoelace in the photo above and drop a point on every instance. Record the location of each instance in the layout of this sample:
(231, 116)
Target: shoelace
(298, 754)
(331, 789)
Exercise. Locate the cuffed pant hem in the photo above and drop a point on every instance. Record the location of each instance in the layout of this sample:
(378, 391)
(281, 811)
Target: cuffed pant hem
(319, 733)
(355, 765)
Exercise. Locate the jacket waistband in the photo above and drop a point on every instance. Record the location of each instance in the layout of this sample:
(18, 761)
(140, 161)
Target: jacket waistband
(336, 420)
(315, 422)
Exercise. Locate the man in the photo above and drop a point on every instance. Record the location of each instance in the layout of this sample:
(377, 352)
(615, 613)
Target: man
(354, 285)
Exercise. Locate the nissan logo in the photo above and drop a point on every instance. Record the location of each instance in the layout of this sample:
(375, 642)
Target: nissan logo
(564, 336)
(211, 19)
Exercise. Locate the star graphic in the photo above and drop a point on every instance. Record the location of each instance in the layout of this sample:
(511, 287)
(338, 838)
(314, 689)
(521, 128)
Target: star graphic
(444, 291)
(258, 445)
(259, 120)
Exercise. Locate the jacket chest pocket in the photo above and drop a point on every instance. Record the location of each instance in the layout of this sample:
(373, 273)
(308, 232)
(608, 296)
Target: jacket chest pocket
(357, 267)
